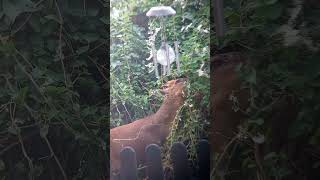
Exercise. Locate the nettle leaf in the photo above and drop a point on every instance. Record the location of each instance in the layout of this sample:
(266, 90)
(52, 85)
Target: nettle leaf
(13, 8)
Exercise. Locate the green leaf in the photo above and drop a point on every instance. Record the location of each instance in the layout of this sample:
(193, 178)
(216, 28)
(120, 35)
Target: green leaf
(93, 11)
(21, 95)
(20, 167)
(49, 28)
(90, 37)
(104, 20)
(82, 49)
(44, 130)
(38, 73)
(270, 156)
(76, 107)
(269, 2)
(52, 114)
(2, 165)
(13, 8)
(259, 121)
(252, 77)
(13, 130)
(53, 17)
(52, 44)
(35, 24)
(7, 48)
(270, 12)
(55, 91)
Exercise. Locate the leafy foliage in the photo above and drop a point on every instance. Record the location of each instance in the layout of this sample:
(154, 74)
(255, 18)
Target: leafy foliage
(134, 86)
(280, 40)
(53, 115)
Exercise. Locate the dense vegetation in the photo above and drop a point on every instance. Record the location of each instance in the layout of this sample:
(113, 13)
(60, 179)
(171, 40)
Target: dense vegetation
(134, 88)
(54, 89)
(281, 39)
(54, 110)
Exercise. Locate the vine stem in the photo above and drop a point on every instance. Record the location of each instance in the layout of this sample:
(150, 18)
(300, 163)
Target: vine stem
(60, 43)
(55, 158)
(24, 152)
(223, 153)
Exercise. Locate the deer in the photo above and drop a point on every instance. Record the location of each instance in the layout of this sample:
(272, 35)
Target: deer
(225, 121)
(153, 129)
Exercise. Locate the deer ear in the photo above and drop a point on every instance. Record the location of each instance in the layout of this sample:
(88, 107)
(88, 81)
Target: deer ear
(180, 80)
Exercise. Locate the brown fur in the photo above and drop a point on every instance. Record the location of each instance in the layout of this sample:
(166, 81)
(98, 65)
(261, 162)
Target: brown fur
(151, 129)
(224, 120)
(224, 81)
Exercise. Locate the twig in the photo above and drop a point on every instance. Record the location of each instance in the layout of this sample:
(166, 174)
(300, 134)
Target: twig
(38, 88)
(104, 43)
(60, 44)
(25, 154)
(102, 74)
(222, 155)
(8, 147)
(21, 26)
(55, 158)
(84, 7)
(3, 106)
(25, 22)
(24, 58)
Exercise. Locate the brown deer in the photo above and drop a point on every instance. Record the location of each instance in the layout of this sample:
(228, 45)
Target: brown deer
(224, 120)
(152, 129)
(224, 82)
